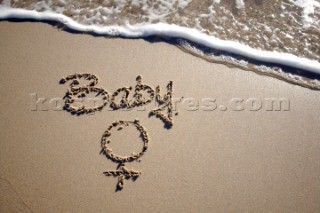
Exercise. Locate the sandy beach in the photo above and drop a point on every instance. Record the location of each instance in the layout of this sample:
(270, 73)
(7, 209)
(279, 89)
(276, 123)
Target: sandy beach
(219, 160)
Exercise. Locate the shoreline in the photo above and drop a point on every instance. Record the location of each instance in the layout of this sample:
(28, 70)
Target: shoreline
(288, 74)
(170, 30)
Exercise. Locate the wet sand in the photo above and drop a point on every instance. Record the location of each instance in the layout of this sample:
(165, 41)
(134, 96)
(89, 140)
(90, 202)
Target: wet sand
(209, 161)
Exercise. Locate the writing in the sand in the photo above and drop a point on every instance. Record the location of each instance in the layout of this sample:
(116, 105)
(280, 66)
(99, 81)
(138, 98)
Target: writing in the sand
(119, 99)
(81, 85)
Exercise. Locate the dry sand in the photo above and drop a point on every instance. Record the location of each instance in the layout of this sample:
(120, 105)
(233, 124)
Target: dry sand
(210, 161)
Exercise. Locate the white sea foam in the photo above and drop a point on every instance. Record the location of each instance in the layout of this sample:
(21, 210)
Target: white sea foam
(240, 4)
(309, 7)
(169, 30)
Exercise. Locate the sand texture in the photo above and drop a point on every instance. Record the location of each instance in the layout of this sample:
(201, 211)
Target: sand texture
(222, 160)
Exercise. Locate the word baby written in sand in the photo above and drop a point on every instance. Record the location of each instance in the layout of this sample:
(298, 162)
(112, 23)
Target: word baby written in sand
(77, 91)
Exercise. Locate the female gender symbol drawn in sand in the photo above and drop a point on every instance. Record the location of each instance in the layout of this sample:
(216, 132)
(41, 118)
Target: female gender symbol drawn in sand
(122, 172)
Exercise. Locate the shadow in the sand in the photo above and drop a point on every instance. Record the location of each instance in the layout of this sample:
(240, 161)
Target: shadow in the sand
(217, 53)
(166, 124)
(58, 25)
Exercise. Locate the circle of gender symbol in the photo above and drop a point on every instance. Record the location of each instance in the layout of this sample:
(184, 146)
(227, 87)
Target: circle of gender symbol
(122, 172)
